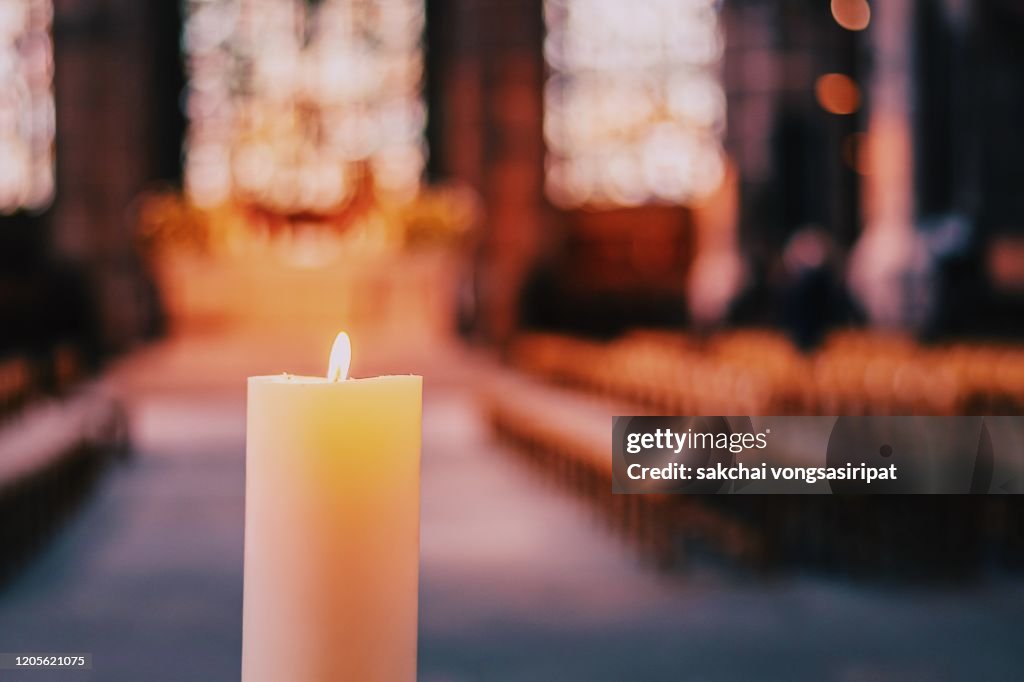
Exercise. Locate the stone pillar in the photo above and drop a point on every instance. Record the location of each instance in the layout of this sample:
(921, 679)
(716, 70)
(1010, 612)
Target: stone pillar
(492, 139)
(888, 271)
(111, 140)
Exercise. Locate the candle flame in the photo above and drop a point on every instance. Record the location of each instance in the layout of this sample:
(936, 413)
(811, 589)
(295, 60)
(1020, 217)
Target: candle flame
(341, 358)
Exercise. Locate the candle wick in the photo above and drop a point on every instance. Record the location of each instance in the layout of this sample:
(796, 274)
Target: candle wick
(341, 358)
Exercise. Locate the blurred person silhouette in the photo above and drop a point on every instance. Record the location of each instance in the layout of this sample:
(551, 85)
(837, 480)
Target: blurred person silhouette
(814, 299)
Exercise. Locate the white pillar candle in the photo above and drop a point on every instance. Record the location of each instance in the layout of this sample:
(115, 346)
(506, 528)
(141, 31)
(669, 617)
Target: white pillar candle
(331, 526)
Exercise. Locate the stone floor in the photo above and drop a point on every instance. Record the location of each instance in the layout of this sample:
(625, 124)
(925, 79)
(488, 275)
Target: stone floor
(519, 580)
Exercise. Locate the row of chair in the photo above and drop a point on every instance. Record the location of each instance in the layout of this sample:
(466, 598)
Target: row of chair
(758, 372)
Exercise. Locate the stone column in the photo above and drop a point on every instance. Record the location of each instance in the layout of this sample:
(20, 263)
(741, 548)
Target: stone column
(889, 269)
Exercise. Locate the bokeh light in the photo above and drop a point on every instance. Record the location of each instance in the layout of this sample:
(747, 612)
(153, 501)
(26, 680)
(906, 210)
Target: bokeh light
(293, 105)
(853, 15)
(634, 109)
(837, 93)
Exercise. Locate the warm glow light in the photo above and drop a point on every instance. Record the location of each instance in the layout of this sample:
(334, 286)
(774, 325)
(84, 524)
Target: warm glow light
(634, 110)
(291, 104)
(27, 117)
(854, 15)
(837, 93)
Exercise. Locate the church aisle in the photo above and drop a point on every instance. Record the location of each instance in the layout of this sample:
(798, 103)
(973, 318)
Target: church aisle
(519, 580)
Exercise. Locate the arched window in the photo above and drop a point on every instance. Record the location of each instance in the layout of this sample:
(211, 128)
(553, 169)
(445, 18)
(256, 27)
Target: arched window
(26, 105)
(633, 107)
(297, 105)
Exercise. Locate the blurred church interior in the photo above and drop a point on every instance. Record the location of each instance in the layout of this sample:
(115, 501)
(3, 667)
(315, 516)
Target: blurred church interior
(556, 211)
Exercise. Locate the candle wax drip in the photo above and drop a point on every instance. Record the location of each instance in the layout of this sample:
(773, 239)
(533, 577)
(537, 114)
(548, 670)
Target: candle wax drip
(341, 357)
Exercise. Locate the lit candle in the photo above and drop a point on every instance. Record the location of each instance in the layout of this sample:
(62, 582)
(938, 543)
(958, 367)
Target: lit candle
(331, 526)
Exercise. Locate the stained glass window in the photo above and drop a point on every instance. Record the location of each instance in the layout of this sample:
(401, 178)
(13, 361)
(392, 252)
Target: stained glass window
(633, 108)
(298, 105)
(26, 105)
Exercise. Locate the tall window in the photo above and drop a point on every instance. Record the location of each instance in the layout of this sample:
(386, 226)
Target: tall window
(298, 105)
(26, 105)
(633, 107)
